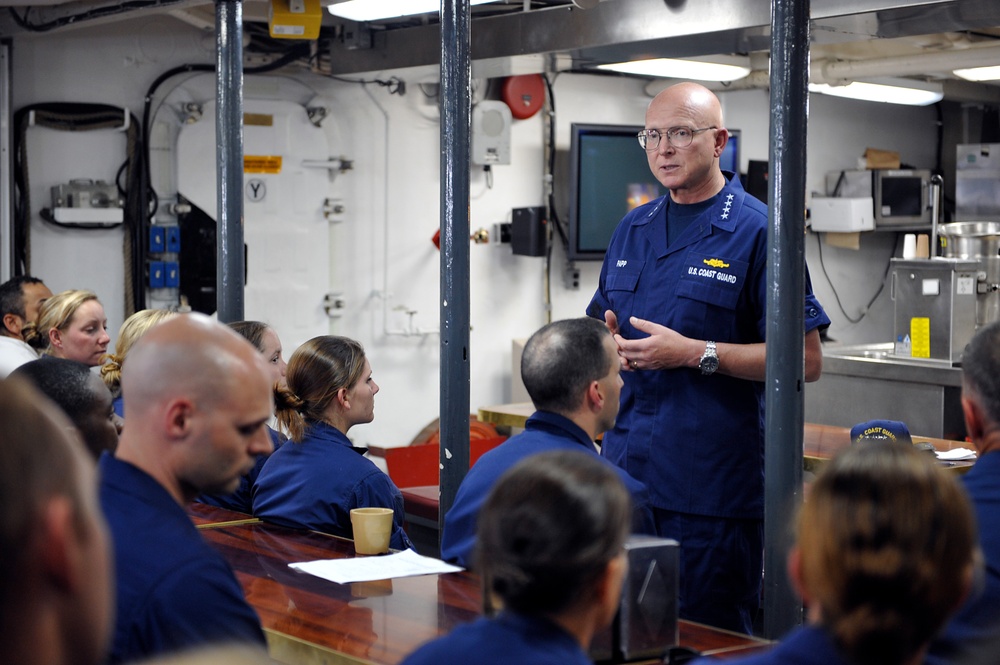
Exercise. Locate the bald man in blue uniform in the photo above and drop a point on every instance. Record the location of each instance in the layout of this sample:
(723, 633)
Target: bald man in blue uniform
(199, 402)
(683, 288)
(571, 371)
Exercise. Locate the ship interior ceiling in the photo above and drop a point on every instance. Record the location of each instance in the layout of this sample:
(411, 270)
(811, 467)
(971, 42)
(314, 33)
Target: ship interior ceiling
(921, 41)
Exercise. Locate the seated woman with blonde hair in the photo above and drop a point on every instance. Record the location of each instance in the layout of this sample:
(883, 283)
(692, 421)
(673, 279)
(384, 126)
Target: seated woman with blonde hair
(550, 549)
(134, 327)
(71, 325)
(885, 554)
(314, 480)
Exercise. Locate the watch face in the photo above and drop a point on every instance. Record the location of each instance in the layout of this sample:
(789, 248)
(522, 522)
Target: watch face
(709, 364)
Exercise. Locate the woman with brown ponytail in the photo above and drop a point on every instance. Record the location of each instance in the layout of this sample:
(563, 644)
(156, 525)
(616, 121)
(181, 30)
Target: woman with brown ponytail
(885, 553)
(316, 478)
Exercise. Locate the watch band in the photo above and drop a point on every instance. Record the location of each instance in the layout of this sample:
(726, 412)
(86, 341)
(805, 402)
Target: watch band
(709, 359)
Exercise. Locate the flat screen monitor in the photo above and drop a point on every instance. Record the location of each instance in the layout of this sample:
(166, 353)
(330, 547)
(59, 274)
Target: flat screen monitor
(609, 176)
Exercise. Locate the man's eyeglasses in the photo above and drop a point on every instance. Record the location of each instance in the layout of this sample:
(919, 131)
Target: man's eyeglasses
(679, 137)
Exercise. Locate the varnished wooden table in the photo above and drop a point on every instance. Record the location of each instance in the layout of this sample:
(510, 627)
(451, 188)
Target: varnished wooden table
(205, 516)
(309, 620)
(819, 442)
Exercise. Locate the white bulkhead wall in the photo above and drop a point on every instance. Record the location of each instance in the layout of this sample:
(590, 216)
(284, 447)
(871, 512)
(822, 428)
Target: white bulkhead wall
(381, 257)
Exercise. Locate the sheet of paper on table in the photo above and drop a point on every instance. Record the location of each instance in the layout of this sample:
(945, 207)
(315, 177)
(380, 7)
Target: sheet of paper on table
(956, 454)
(369, 568)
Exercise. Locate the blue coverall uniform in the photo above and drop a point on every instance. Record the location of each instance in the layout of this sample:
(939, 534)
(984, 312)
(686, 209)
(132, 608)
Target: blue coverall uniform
(544, 431)
(696, 441)
(314, 484)
(973, 634)
(173, 590)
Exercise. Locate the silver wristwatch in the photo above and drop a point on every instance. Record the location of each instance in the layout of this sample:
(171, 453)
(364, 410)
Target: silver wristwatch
(709, 360)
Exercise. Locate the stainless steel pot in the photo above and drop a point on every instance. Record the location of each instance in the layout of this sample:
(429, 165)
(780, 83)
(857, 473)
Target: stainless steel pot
(971, 240)
(979, 241)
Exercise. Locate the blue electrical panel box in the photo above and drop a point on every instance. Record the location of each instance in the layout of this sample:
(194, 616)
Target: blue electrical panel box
(172, 275)
(174, 239)
(157, 239)
(156, 276)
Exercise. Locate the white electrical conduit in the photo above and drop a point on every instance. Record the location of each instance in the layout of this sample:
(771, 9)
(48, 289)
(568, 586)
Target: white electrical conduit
(840, 72)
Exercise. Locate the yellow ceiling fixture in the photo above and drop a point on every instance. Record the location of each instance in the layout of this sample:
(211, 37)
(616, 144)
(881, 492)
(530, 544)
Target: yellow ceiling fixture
(707, 68)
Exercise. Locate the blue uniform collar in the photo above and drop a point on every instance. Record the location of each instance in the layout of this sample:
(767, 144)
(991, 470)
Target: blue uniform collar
(321, 431)
(553, 422)
(723, 216)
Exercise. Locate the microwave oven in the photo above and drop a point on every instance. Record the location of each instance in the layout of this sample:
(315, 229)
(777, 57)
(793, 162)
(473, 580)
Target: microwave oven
(900, 197)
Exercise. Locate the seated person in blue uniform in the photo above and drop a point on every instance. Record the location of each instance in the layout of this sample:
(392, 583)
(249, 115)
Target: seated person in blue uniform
(265, 340)
(314, 480)
(81, 395)
(56, 574)
(973, 636)
(551, 537)
(199, 398)
(885, 553)
(571, 371)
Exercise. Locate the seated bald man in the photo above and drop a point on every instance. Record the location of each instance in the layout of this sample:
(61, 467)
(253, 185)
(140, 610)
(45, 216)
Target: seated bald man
(199, 399)
(56, 599)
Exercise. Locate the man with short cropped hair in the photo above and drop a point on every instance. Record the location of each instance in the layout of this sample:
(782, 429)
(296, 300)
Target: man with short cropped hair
(972, 637)
(571, 371)
(56, 594)
(81, 395)
(199, 399)
(20, 299)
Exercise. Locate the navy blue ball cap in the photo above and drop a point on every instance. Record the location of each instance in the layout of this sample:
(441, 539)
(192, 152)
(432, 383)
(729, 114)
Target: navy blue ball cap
(881, 430)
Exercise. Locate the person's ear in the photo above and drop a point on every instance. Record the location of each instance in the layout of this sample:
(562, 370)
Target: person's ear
(343, 399)
(795, 574)
(177, 420)
(13, 323)
(608, 588)
(55, 338)
(973, 415)
(57, 543)
(721, 139)
(595, 396)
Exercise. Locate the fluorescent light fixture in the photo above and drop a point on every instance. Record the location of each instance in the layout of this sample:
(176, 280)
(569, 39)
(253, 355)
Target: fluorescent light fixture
(373, 10)
(979, 73)
(888, 91)
(709, 68)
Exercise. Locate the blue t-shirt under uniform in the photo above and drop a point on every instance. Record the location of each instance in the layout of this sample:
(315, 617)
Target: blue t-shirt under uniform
(173, 590)
(314, 484)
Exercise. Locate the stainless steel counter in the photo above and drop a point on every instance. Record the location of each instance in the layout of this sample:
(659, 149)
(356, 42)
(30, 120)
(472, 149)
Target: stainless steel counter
(864, 382)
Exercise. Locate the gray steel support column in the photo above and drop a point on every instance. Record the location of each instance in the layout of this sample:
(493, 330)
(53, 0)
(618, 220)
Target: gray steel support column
(456, 95)
(6, 166)
(785, 312)
(229, 158)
